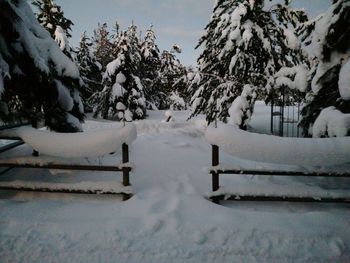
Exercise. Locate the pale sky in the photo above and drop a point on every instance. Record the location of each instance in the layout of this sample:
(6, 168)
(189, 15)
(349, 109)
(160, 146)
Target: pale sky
(175, 21)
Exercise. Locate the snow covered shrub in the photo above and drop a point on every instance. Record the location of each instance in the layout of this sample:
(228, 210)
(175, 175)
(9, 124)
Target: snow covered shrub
(35, 75)
(329, 38)
(331, 123)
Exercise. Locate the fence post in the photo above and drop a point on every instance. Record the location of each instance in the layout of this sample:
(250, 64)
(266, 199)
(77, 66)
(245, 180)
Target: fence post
(125, 159)
(215, 162)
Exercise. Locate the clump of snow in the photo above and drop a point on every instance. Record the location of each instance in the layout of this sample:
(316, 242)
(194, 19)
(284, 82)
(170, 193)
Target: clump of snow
(293, 77)
(273, 149)
(176, 101)
(82, 144)
(241, 106)
(61, 38)
(331, 122)
(120, 78)
(120, 106)
(291, 39)
(344, 81)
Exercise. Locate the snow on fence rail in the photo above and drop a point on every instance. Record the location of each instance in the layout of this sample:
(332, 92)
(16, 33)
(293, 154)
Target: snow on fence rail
(68, 145)
(279, 150)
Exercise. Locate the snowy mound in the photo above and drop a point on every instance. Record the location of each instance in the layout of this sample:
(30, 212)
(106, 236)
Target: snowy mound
(273, 149)
(71, 145)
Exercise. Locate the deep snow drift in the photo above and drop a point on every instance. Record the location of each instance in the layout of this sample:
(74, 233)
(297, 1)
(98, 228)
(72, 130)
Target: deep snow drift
(169, 219)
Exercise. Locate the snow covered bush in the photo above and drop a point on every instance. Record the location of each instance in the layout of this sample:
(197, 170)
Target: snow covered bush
(331, 123)
(329, 38)
(35, 76)
(122, 83)
(244, 44)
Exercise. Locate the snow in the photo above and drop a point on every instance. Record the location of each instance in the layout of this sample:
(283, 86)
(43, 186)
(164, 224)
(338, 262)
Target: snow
(61, 38)
(344, 81)
(293, 77)
(331, 122)
(273, 149)
(64, 98)
(169, 219)
(291, 39)
(83, 144)
(120, 78)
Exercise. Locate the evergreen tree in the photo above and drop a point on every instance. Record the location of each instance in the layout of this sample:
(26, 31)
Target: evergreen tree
(35, 76)
(243, 45)
(122, 86)
(90, 69)
(329, 37)
(150, 65)
(171, 76)
(50, 15)
(102, 45)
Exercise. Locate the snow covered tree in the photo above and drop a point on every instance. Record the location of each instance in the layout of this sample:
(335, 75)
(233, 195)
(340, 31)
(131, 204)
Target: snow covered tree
(329, 87)
(123, 89)
(150, 64)
(90, 69)
(50, 15)
(171, 75)
(102, 45)
(35, 76)
(244, 44)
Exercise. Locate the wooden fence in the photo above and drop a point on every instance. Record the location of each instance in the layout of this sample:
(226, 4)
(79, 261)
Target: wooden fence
(216, 183)
(10, 164)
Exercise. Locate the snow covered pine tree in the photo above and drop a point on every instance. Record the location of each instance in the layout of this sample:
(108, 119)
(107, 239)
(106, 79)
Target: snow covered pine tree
(50, 16)
(90, 69)
(329, 88)
(102, 45)
(150, 65)
(243, 45)
(35, 75)
(122, 85)
(171, 81)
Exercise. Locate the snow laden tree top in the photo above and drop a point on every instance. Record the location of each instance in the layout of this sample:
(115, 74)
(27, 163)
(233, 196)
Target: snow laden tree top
(122, 85)
(50, 15)
(150, 64)
(329, 88)
(243, 44)
(35, 76)
(102, 45)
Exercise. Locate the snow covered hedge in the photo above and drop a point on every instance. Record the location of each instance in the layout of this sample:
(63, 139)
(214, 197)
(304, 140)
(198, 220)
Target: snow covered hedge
(35, 75)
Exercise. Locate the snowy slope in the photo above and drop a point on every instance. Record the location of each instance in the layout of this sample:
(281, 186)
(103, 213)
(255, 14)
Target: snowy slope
(169, 219)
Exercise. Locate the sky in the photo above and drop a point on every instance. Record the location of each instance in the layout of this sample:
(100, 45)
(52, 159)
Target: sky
(179, 22)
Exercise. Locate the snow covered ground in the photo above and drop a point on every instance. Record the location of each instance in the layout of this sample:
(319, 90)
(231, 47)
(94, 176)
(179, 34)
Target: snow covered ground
(169, 219)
